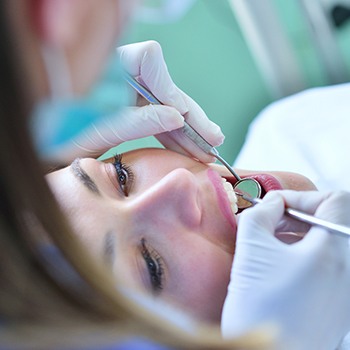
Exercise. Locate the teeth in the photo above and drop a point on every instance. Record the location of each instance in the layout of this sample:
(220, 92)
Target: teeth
(231, 195)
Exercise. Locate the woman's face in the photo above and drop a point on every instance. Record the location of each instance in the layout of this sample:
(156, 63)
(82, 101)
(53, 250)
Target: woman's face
(162, 221)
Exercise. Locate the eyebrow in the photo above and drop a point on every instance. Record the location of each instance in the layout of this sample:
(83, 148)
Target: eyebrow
(83, 177)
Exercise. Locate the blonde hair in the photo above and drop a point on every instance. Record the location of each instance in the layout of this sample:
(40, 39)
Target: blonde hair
(39, 306)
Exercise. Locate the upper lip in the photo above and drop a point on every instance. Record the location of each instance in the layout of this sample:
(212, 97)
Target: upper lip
(223, 201)
(266, 181)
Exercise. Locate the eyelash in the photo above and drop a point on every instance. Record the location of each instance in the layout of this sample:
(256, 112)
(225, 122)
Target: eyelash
(125, 175)
(154, 264)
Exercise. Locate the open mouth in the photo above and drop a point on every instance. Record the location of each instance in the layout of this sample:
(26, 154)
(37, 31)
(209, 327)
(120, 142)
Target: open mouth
(266, 181)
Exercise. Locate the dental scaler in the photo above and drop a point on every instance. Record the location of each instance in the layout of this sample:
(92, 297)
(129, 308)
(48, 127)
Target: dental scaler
(247, 186)
(248, 190)
(304, 217)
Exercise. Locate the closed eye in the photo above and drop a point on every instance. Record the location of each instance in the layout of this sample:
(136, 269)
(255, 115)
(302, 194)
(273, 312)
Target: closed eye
(154, 264)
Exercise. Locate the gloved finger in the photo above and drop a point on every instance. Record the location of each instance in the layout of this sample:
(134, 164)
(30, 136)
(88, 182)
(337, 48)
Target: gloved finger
(177, 141)
(326, 205)
(305, 201)
(264, 217)
(335, 208)
(145, 60)
(197, 118)
(331, 206)
(255, 241)
(131, 123)
(136, 122)
(323, 245)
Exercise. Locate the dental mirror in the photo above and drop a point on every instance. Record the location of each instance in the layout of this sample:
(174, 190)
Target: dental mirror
(248, 187)
(245, 187)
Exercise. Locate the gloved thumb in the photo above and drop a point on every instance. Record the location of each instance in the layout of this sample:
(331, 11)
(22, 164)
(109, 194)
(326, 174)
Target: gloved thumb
(131, 123)
(263, 217)
(136, 122)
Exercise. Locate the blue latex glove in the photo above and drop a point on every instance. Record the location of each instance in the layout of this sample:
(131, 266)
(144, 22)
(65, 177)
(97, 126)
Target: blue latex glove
(302, 288)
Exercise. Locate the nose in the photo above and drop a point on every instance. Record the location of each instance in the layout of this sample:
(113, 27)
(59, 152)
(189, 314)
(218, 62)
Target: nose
(172, 200)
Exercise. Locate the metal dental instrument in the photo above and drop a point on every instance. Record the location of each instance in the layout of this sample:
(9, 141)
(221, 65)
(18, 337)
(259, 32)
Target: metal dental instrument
(307, 218)
(246, 185)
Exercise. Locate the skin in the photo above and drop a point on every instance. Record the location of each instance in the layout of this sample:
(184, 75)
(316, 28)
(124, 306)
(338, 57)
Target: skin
(174, 216)
(191, 235)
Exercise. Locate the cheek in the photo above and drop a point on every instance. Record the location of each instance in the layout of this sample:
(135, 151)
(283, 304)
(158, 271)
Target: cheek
(201, 277)
(90, 228)
(295, 182)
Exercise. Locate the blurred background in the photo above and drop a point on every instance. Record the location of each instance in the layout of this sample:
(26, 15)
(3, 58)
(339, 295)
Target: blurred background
(234, 57)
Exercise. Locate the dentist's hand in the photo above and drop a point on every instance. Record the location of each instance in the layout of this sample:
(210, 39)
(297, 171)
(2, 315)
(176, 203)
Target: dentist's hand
(302, 288)
(146, 62)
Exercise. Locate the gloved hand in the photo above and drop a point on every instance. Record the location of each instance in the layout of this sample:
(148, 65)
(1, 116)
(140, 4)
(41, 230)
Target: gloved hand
(302, 288)
(145, 61)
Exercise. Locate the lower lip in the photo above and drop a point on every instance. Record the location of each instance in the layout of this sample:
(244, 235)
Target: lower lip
(223, 201)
